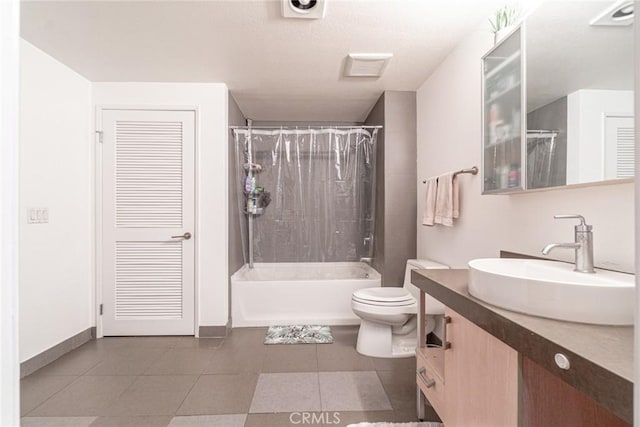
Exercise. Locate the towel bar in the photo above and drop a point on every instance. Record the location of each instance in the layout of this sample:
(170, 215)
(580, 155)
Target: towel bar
(473, 171)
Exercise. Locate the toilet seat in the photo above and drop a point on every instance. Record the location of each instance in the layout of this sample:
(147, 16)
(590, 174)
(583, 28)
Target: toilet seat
(407, 303)
(384, 296)
(384, 310)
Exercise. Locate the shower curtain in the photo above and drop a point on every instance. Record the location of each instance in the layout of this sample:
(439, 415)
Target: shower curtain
(322, 190)
(541, 159)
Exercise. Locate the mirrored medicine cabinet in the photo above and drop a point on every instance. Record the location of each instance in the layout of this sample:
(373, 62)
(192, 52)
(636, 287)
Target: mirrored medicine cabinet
(557, 100)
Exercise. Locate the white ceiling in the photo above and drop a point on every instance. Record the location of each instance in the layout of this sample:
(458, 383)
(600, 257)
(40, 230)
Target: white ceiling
(277, 69)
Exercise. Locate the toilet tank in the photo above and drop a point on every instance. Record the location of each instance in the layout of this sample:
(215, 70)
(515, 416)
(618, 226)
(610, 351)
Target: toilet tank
(433, 306)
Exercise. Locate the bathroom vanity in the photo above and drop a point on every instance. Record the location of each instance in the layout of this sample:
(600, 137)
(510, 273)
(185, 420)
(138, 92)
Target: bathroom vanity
(502, 368)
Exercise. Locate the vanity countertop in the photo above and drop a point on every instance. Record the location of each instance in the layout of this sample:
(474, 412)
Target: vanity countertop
(601, 357)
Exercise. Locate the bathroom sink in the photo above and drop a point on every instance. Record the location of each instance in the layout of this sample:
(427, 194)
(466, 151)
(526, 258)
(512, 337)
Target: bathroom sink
(552, 289)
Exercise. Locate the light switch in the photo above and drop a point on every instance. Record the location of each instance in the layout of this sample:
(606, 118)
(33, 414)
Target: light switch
(38, 215)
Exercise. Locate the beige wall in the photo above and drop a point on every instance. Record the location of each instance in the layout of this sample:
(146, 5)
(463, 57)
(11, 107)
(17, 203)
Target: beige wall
(449, 137)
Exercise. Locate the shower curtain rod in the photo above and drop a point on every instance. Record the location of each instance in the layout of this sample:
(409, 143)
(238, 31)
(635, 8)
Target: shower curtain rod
(305, 127)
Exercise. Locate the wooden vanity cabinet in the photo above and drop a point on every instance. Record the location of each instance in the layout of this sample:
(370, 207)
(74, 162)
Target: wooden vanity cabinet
(481, 377)
(550, 402)
(473, 379)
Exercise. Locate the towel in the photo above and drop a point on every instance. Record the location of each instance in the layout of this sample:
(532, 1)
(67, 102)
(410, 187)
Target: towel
(444, 200)
(456, 197)
(430, 202)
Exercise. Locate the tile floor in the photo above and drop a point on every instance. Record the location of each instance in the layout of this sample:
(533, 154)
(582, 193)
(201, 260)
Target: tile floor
(236, 381)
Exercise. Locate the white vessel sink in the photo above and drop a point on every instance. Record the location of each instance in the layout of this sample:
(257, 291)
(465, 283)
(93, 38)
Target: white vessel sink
(552, 289)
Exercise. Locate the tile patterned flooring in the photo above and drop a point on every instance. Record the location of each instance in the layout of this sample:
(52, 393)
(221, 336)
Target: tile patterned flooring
(233, 382)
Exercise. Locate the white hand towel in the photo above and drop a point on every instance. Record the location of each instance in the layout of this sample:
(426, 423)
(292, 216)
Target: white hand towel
(456, 197)
(444, 200)
(430, 201)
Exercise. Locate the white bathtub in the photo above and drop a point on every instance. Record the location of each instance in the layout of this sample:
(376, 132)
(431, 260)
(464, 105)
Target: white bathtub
(298, 293)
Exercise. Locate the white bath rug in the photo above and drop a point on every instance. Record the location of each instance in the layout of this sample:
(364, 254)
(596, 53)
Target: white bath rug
(299, 334)
(422, 424)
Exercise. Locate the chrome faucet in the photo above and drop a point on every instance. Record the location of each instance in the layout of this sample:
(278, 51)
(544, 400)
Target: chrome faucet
(583, 244)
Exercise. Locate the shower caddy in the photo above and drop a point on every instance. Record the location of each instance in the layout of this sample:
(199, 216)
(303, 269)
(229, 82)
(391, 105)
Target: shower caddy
(257, 199)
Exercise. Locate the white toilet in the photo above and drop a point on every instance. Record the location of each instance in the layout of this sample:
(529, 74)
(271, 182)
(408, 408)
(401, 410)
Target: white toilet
(388, 327)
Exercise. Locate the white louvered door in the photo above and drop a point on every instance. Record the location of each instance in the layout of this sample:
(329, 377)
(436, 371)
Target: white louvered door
(619, 147)
(148, 204)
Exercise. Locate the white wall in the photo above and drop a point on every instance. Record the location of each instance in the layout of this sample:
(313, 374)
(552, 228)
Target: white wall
(9, 77)
(211, 146)
(636, 358)
(449, 138)
(55, 172)
(586, 110)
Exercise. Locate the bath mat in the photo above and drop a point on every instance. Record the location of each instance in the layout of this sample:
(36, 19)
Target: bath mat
(422, 424)
(298, 334)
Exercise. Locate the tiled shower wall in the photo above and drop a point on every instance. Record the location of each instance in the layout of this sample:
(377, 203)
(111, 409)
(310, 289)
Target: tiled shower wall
(395, 235)
(376, 118)
(554, 116)
(237, 224)
(278, 240)
(395, 229)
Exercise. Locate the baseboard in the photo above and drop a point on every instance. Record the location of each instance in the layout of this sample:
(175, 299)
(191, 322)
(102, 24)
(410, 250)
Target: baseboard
(261, 323)
(43, 359)
(213, 331)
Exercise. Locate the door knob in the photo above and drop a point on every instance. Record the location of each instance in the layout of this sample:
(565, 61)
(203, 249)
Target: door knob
(185, 236)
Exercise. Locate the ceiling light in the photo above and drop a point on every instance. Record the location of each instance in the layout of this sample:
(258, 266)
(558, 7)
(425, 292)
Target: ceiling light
(366, 64)
(306, 9)
(620, 13)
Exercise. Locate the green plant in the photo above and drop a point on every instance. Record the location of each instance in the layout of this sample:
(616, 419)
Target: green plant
(504, 17)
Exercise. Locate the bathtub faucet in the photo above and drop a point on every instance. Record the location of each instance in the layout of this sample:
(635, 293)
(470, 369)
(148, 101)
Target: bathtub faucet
(367, 260)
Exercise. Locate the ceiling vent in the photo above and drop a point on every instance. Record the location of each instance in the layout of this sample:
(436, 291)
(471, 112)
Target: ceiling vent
(305, 9)
(621, 13)
(366, 64)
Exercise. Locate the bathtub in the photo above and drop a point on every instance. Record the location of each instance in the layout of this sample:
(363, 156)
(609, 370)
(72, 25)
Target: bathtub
(298, 293)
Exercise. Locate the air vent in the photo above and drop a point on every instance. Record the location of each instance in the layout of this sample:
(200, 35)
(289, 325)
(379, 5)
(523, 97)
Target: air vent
(305, 9)
(620, 14)
(366, 64)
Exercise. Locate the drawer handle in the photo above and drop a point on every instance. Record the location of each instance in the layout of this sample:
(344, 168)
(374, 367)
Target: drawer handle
(428, 382)
(446, 345)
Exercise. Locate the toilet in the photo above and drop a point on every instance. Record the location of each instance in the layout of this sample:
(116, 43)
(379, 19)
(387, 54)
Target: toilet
(389, 321)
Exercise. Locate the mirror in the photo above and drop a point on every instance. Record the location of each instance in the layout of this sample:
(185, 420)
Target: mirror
(579, 93)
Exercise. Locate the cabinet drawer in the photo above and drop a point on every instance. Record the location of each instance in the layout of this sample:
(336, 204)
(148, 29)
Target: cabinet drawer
(431, 385)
